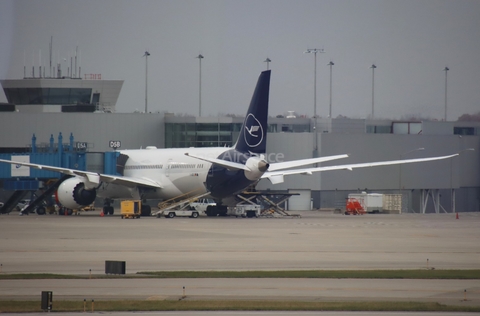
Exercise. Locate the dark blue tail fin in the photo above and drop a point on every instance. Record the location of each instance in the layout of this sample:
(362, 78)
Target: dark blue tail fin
(253, 135)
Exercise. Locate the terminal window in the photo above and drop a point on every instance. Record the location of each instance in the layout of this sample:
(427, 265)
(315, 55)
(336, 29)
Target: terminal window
(54, 96)
(379, 129)
(181, 135)
(464, 131)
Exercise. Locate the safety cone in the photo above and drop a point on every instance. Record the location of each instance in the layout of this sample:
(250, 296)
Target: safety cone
(456, 216)
(101, 214)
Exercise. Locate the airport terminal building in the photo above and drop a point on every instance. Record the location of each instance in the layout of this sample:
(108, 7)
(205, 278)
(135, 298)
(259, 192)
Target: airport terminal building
(451, 185)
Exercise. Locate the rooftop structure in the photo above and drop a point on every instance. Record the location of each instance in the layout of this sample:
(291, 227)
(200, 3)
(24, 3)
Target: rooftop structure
(57, 92)
(62, 94)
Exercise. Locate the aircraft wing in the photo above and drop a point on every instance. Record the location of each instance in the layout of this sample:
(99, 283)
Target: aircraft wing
(277, 176)
(91, 176)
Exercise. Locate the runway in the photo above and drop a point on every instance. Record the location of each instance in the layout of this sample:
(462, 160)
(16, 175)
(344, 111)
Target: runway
(78, 244)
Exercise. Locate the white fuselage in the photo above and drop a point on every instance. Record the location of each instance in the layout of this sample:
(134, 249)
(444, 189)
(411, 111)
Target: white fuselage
(177, 173)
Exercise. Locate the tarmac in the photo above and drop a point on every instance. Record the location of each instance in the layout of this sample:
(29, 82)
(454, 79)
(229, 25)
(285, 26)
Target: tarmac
(314, 240)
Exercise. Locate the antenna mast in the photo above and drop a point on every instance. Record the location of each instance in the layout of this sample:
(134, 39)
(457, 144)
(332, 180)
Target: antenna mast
(51, 48)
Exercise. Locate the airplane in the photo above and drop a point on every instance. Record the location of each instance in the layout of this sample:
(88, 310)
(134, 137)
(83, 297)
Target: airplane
(218, 172)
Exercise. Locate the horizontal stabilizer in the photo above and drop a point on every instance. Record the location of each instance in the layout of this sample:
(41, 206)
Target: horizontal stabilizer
(303, 162)
(226, 164)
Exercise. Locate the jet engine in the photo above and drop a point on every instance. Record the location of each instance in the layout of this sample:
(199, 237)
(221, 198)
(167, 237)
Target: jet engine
(258, 166)
(72, 194)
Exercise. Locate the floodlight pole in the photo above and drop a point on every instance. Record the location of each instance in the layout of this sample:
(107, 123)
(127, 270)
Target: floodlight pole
(330, 108)
(200, 57)
(315, 51)
(268, 60)
(146, 80)
(373, 89)
(446, 69)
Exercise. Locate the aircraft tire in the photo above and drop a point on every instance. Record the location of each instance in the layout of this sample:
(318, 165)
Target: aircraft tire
(146, 210)
(108, 210)
(222, 210)
(211, 210)
(41, 210)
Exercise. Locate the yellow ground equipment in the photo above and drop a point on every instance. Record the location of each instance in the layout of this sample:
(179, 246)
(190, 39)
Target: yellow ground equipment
(130, 208)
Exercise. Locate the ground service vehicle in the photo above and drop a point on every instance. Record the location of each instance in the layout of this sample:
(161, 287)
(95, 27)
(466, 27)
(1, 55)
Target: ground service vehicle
(201, 205)
(130, 208)
(22, 204)
(185, 212)
(245, 210)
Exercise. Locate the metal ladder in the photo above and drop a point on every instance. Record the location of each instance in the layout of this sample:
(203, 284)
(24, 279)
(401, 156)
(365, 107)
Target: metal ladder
(46, 194)
(13, 201)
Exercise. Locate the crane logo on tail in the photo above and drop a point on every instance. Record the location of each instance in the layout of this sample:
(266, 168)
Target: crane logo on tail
(254, 131)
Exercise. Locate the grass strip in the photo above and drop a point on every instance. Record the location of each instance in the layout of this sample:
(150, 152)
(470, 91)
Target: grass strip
(321, 274)
(40, 276)
(135, 305)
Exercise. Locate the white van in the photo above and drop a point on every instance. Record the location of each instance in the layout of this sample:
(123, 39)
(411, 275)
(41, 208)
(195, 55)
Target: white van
(201, 205)
(193, 209)
(187, 212)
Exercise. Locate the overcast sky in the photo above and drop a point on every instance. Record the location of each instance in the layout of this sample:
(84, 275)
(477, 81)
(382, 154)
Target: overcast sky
(410, 42)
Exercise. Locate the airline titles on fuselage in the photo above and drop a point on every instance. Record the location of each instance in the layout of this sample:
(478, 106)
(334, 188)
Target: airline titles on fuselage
(172, 165)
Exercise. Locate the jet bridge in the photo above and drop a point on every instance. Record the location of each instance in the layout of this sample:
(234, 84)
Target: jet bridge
(24, 181)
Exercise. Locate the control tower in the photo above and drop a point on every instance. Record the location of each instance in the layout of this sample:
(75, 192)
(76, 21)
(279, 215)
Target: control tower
(61, 94)
(50, 90)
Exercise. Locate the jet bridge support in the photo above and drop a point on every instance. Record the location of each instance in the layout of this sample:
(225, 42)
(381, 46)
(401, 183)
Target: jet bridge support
(434, 194)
